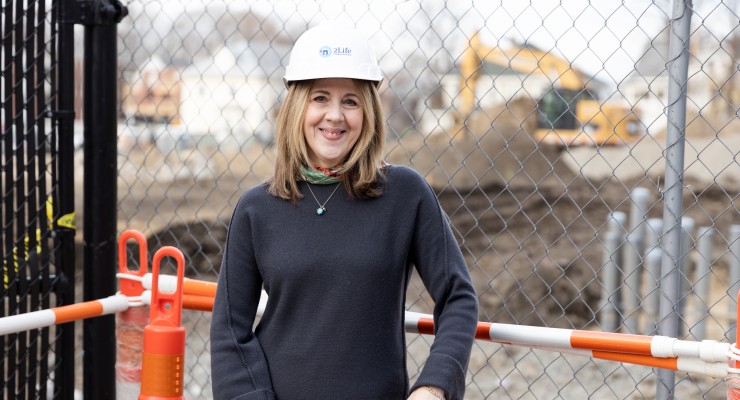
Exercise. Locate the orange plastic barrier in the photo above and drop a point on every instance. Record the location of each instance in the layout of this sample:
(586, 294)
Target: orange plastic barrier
(733, 377)
(200, 303)
(199, 288)
(164, 337)
(130, 323)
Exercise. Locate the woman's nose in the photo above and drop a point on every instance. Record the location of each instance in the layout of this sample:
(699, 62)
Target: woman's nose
(334, 112)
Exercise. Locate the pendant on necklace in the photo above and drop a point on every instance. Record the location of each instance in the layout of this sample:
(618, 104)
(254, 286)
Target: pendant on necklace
(320, 210)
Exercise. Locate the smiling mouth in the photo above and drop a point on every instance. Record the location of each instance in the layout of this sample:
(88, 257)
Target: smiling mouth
(332, 132)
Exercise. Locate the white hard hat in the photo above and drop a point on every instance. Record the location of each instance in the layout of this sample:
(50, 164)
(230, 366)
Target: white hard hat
(332, 50)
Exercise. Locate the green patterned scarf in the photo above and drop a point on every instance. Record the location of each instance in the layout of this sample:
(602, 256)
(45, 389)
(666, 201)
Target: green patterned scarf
(321, 176)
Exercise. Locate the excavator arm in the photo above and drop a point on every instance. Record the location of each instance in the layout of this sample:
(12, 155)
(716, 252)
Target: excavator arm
(568, 113)
(526, 60)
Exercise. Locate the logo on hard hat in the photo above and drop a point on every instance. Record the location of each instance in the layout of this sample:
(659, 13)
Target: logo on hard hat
(327, 51)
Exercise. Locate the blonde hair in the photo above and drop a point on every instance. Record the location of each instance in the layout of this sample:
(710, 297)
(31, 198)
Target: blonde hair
(364, 166)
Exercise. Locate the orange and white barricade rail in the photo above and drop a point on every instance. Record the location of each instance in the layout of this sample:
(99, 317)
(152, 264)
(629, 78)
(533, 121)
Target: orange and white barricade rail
(163, 366)
(707, 357)
(655, 346)
(60, 315)
(733, 371)
(168, 283)
(197, 294)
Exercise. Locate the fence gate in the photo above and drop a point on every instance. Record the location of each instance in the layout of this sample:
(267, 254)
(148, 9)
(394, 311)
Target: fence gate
(36, 210)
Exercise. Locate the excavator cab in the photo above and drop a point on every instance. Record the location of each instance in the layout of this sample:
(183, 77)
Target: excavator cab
(569, 117)
(557, 108)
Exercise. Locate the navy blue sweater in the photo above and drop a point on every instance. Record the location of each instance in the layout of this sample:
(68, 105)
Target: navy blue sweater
(333, 326)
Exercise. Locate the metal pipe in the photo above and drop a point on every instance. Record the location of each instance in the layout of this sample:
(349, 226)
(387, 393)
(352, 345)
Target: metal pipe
(653, 255)
(65, 197)
(701, 280)
(678, 62)
(687, 243)
(733, 275)
(632, 259)
(617, 221)
(609, 307)
(616, 224)
(100, 205)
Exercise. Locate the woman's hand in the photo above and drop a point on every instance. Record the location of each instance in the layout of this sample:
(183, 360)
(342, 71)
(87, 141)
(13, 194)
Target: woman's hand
(427, 393)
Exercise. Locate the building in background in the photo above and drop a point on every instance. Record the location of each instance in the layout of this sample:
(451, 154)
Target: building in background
(233, 96)
(154, 95)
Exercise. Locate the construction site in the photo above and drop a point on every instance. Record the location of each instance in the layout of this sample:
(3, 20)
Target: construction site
(535, 140)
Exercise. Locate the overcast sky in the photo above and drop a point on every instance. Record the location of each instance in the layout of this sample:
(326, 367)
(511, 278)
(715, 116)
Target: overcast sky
(603, 38)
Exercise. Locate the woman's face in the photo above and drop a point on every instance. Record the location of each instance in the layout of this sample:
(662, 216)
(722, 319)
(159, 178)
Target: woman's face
(333, 120)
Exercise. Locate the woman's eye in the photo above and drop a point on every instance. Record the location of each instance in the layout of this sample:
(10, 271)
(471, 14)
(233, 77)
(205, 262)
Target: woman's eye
(320, 98)
(351, 103)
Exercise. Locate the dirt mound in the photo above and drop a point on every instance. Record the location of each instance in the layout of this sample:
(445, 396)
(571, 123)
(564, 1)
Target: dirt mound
(706, 126)
(493, 147)
(201, 243)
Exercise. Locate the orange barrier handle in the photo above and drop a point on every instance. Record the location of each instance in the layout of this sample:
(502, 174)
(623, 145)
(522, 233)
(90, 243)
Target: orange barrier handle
(638, 359)
(128, 286)
(166, 308)
(194, 302)
(199, 288)
(612, 342)
(73, 312)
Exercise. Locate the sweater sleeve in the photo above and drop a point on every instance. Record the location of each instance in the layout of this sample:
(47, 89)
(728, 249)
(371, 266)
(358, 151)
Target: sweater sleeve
(238, 366)
(442, 268)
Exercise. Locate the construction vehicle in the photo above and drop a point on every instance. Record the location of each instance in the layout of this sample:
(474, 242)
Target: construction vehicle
(568, 113)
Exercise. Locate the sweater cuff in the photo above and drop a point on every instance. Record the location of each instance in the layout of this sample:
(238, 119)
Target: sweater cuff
(444, 372)
(257, 395)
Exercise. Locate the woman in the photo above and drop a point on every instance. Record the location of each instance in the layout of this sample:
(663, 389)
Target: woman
(332, 238)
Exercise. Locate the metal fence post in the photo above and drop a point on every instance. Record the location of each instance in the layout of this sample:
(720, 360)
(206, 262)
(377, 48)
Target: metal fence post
(734, 279)
(678, 61)
(66, 195)
(701, 279)
(609, 309)
(633, 251)
(611, 297)
(687, 227)
(100, 191)
(653, 255)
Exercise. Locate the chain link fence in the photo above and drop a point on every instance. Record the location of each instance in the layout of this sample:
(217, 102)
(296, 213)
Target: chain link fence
(36, 204)
(543, 128)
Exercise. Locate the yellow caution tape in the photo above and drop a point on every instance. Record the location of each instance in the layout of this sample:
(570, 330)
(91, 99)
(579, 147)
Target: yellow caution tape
(64, 221)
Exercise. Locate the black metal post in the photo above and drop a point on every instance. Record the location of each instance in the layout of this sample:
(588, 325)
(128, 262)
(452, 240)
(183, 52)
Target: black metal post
(64, 82)
(100, 203)
(100, 197)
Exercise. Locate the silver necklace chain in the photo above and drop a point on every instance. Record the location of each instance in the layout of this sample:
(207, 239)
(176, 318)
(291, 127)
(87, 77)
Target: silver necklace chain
(322, 207)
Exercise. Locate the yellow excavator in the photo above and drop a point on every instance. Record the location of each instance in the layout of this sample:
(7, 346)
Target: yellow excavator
(568, 114)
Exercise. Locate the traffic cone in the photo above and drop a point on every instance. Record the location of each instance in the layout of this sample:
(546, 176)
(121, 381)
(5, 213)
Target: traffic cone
(164, 339)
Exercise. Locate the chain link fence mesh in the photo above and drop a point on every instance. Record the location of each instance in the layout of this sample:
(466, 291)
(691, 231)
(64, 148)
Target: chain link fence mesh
(33, 203)
(534, 122)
